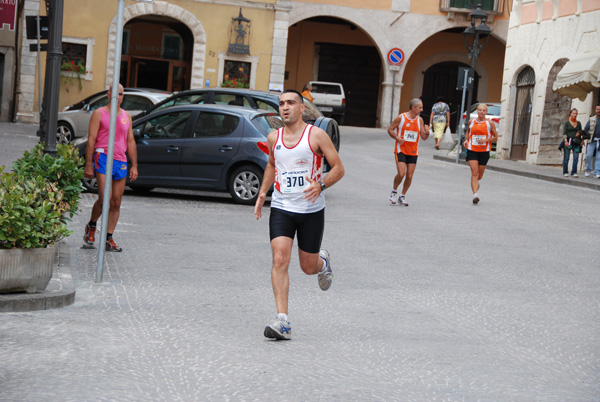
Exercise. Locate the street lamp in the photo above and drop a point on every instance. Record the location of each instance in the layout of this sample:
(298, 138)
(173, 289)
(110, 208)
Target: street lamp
(475, 39)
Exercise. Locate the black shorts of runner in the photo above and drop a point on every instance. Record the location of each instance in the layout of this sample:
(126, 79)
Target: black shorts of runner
(408, 159)
(309, 227)
(481, 157)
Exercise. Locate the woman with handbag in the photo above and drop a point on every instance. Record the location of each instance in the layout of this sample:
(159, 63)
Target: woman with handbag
(572, 141)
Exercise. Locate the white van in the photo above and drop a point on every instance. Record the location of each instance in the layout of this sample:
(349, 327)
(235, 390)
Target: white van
(330, 99)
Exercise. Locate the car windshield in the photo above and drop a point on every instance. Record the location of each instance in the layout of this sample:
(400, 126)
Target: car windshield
(493, 110)
(265, 123)
(326, 89)
(311, 113)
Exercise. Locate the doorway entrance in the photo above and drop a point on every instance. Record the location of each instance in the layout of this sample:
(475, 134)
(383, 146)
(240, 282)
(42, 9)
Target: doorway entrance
(157, 53)
(358, 69)
(441, 80)
(522, 120)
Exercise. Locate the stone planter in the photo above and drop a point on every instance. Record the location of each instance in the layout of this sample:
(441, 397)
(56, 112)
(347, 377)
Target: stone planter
(26, 270)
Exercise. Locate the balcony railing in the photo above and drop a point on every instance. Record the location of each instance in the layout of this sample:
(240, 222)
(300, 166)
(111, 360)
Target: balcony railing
(494, 7)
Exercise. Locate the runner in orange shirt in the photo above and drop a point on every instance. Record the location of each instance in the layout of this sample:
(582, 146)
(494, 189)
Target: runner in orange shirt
(478, 142)
(406, 129)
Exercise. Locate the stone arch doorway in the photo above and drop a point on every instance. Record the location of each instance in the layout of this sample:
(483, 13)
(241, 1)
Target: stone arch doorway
(556, 111)
(173, 16)
(441, 79)
(157, 53)
(522, 114)
(332, 49)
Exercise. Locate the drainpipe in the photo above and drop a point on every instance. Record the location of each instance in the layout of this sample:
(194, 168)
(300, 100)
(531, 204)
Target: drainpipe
(17, 67)
(51, 85)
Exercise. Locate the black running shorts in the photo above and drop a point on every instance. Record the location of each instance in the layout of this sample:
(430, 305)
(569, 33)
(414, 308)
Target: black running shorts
(408, 159)
(309, 228)
(481, 157)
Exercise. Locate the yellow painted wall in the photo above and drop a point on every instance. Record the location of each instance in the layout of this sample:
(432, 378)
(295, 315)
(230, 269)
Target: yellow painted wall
(301, 43)
(492, 56)
(91, 18)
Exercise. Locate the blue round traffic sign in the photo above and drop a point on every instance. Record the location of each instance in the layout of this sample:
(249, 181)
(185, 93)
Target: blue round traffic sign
(395, 56)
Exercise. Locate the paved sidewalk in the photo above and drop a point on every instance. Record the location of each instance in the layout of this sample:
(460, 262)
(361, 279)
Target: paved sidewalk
(441, 301)
(60, 291)
(520, 168)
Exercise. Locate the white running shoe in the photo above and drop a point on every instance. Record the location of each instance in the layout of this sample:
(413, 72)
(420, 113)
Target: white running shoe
(597, 176)
(280, 329)
(402, 201)
(587, 174)
(393, 197)
(325, 277)
(566, 175)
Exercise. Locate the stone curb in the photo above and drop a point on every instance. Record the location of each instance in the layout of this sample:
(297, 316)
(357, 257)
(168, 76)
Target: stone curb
(60, 292)
(555, 179)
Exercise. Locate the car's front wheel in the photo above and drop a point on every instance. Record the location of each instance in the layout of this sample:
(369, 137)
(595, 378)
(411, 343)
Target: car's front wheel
(90, 184)
(244, 184)
(64, 133)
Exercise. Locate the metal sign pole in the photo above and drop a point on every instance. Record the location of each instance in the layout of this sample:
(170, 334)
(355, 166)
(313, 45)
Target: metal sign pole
(461, 124)
(392, 102)
(114, 104)
(39, 62)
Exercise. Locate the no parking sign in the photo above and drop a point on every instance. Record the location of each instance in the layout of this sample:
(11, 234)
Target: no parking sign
(395, 56)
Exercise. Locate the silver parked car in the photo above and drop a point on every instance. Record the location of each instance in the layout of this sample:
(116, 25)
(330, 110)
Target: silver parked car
(74, 121)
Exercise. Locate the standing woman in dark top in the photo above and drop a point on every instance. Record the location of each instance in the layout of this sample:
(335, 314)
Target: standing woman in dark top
(572, 141)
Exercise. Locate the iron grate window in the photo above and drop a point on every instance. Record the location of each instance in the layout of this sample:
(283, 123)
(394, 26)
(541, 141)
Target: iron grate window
(526, 77)
(74, 52)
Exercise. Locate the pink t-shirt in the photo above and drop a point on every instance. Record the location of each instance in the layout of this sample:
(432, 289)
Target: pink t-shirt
(121, 131)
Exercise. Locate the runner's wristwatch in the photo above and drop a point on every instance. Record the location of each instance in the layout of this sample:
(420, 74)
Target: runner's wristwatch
(323, 186)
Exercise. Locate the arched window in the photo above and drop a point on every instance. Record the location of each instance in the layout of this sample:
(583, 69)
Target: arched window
(522, 119)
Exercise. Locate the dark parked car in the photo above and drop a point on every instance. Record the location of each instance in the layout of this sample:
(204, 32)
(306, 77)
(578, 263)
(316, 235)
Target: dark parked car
(202, 147)
(250, 98)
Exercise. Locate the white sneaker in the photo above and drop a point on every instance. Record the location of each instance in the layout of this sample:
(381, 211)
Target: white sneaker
(597, 176)
(575, 175)
(566, 175)
(402, 201)
(393, 197)
(587, 174)
(280, 329)
(325, 277)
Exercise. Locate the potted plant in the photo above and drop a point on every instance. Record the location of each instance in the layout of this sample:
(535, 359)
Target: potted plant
(36, 201)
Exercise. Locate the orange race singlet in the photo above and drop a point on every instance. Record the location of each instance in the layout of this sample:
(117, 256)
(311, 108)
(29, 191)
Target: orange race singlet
(480, 130)
(410, 131)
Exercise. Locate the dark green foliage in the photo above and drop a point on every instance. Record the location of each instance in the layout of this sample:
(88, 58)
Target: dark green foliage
(39, 196)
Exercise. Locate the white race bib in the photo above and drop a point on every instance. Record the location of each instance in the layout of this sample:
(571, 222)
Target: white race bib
(411, 136)
(478, 139)
(294, 181)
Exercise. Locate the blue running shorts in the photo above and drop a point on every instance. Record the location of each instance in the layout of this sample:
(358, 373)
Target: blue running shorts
(119, 170)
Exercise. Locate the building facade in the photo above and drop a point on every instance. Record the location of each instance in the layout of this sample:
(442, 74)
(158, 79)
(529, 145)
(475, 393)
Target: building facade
(182, 44)
(543, 36)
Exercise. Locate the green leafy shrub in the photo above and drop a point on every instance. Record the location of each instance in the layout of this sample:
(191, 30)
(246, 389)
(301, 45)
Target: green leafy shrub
(37, 196)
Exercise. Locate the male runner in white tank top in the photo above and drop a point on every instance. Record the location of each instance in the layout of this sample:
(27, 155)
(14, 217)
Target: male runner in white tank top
(298, 207)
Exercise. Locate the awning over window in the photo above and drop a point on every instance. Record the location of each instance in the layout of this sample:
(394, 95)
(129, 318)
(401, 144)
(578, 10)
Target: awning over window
(579, 76)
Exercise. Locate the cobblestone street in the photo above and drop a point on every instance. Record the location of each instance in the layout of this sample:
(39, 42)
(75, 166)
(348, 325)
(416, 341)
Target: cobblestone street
(440, 301)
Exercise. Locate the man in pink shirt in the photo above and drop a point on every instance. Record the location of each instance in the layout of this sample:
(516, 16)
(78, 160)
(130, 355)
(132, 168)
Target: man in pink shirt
(95, 164)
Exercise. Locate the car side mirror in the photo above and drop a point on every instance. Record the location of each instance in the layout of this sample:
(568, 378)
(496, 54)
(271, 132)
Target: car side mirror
(137, 134)
(86, 107)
